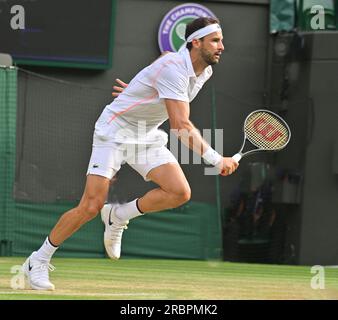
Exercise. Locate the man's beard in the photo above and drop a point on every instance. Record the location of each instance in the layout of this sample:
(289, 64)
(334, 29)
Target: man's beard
(208, 57)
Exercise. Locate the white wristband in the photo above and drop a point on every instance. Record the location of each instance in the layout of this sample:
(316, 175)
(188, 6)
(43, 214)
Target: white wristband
(212, 157)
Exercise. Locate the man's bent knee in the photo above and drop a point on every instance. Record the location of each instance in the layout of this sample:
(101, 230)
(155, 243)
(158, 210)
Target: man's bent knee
(180, 197)
(91, 207)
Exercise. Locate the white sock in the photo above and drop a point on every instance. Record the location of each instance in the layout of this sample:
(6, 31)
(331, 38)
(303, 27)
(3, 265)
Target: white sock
(128, 211)
(46, 251)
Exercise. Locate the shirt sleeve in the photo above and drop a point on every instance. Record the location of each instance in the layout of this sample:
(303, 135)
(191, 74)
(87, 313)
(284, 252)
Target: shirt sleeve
(171, 82)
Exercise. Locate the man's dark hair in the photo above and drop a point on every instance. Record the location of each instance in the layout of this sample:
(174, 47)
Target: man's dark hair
(197, 24)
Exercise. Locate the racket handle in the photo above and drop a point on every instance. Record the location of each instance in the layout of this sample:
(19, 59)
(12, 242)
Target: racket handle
(237, 157)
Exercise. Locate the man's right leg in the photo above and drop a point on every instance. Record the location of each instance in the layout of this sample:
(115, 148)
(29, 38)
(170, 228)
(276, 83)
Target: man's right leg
(92, 201)
(37, 265)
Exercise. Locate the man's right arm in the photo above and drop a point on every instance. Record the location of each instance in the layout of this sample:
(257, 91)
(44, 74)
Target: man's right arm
(179, 114)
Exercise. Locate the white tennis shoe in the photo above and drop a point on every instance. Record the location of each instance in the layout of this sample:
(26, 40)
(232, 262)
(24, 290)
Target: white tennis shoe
(36, 273)
(114, 228)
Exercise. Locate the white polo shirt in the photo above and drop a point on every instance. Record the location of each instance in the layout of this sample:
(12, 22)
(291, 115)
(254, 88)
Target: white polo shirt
(135, 115)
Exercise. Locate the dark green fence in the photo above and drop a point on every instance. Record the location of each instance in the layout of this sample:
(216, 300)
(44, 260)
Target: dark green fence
(8, 103)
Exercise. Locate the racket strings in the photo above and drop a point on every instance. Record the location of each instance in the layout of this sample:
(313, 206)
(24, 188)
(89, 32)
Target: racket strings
(266, 131)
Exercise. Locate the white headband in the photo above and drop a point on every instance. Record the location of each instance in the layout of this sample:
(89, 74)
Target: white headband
(200, 33)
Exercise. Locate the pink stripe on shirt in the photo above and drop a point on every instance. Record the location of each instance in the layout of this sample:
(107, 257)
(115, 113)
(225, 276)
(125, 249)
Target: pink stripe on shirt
(146, 99)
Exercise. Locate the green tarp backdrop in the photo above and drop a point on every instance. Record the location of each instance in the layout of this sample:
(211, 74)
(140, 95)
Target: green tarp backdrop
(8, 102)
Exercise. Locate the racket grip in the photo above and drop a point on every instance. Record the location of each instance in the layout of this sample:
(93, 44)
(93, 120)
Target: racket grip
(237, 157)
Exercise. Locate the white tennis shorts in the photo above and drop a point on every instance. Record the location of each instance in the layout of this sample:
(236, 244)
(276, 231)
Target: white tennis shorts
(107, 157)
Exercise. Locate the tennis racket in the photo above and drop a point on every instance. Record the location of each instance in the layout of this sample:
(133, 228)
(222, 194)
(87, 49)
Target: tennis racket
(266, 131)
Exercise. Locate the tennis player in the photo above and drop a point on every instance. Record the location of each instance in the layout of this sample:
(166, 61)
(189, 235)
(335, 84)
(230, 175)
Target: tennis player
(127, 132)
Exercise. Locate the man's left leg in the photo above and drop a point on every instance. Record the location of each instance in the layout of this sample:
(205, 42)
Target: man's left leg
(173, 191)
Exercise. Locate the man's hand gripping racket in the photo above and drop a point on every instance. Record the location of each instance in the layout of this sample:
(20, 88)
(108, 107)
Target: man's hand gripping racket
(266, 131)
